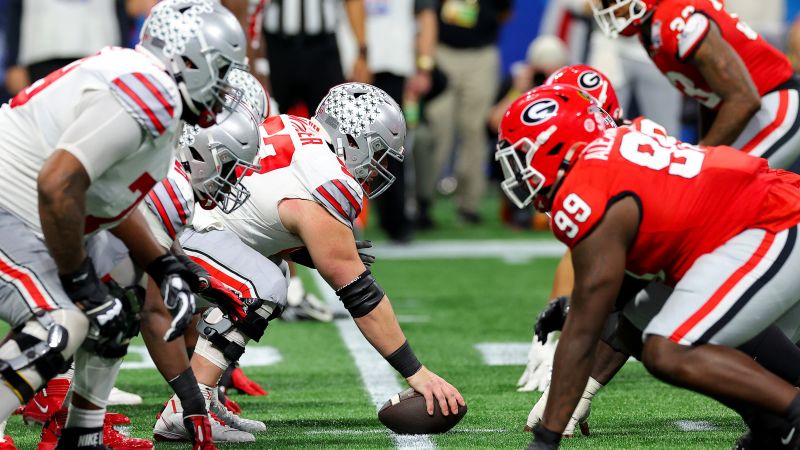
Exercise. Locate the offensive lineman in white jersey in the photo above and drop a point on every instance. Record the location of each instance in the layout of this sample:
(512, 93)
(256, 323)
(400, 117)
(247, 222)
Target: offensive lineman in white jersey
(80, 148)
(303, 204)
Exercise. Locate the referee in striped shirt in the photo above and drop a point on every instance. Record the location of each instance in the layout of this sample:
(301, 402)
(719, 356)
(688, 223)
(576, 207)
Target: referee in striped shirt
(302, 51)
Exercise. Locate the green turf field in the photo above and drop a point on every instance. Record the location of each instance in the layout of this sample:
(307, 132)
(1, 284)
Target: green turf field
(317, 398)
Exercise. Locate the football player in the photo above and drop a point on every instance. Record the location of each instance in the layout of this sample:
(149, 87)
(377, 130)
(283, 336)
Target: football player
(746, 88)
(80, 149)
(713, 222)
(304, 201)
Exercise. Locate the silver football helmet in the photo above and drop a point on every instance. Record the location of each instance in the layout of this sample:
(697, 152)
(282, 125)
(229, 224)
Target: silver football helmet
(200, 43)
(366, 128)
(253, 94)
(219, 157)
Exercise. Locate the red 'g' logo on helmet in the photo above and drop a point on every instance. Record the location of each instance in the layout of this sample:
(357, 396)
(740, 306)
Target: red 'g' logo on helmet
(539, 111)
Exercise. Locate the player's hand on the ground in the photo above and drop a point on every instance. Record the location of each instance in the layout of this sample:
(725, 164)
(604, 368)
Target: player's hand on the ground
(536, 376)
(104, 311)
(366, 258)
(433, 386)
(199, 428)
(580, 417)
(173, 277)
(200, 280)
(552, 318)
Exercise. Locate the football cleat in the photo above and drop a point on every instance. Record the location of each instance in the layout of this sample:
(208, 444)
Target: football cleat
(309, 307)
(233, 420)
(7, 443)
(245, 385)
(170, 427)
(112, 438)
(46, 402)
(120, 397)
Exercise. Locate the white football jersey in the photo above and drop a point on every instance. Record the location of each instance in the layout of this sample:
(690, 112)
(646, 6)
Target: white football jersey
(34, 122)
(296, 162)
(169, 207)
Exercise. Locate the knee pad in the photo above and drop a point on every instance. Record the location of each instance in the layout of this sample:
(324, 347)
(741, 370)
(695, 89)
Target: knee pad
(223, 341)
(94, 376)
(40, 350)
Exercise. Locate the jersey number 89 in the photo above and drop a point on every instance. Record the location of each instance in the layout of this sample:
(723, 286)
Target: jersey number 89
(579, 210)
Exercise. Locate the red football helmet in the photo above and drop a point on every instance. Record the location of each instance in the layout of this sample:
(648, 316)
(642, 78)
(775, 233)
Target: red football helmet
(593, 82)
(542, 128)
(621, 17)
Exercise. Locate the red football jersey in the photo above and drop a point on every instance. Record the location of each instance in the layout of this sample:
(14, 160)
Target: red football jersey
(692, 199)
(679, 26)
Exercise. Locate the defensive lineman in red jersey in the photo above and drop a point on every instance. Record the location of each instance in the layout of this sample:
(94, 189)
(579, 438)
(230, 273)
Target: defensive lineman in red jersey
(718, 225)
(746, 88)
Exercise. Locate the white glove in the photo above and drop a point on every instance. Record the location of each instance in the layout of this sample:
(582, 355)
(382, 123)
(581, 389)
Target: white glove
(580, 416)
(536, 376)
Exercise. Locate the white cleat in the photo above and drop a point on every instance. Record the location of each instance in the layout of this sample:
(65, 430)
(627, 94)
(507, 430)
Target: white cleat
(235, 421)
(169, 427)
(120, 397)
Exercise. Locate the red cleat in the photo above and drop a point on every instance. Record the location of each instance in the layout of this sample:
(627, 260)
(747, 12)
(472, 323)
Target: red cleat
(115, 418)
(112, 438)
(46, 402)
(229, 404)
(7, 443)
(244, 384)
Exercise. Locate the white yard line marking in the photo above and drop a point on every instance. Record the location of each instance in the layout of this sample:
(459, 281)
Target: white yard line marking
(695, 425)
(378, 377)
(254, 356)
(504, 353)
(514, 251)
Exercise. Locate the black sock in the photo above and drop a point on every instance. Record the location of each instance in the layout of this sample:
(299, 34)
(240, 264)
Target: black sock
(77, 438)
(185, 387)
(776, 353)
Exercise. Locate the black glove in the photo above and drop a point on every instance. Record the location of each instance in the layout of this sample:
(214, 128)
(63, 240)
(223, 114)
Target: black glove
(544, 439)
(552, 318)
(104, 311)
(366, 258)
(199, 283)
(174, 279)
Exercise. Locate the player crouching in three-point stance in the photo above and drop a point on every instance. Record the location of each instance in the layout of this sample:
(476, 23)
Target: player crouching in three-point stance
(717, 224)
(303, 204)
(80, 149)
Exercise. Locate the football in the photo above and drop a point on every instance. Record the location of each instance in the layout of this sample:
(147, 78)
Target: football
(405, 413)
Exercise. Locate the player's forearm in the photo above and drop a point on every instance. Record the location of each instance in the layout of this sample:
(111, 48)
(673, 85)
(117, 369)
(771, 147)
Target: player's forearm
(428, 32)
(564, 277)
(62, 213)
(357, 17)
(381, 328)
(731, 119)
(135, 234)
(571, 368)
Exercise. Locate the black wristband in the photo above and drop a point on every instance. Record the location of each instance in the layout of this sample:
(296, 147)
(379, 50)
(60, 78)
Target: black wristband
(164, 265)
(404, 360)
(542, 434)
(83, 283)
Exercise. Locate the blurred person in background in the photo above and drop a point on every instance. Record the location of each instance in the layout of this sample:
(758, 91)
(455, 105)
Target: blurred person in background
(401, 35)
(468, 56)
(793, 44)
(545, 55)
(37, 42)
(571, 21)
(766, 17)
(303, 59)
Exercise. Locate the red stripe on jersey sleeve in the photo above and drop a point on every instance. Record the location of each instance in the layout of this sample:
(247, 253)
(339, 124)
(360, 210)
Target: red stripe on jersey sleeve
(182, 213)
(156, 93)
(346, 192)
(157, 123)
(323, 192)
(163, 213)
